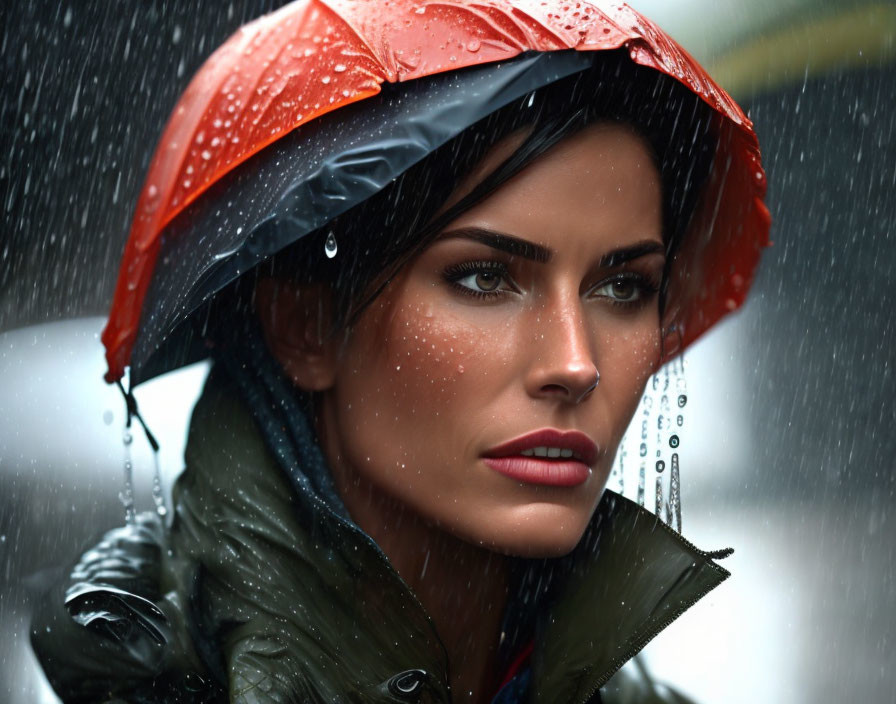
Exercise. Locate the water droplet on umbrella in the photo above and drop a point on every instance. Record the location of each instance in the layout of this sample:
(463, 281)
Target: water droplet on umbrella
(330, 246)
(473, 45)
(339, 68)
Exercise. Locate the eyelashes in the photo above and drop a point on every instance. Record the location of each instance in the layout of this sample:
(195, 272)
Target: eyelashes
(490, 279)
(480, 279)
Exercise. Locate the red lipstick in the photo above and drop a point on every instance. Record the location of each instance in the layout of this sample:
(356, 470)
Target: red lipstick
(569, 457)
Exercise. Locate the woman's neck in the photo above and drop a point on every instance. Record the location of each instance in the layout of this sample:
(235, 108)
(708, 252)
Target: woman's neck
(462, 587)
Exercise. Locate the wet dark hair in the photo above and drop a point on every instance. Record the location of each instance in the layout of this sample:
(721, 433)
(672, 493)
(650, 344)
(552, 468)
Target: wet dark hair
(379, 236)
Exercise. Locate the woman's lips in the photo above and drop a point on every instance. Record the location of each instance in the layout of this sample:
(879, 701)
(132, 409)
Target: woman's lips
(534, 470)
(570, 455)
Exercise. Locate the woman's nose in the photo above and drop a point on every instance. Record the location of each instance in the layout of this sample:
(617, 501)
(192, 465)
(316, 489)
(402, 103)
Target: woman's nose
(563, 366)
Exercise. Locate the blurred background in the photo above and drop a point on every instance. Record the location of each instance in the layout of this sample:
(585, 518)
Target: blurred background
(789, 435)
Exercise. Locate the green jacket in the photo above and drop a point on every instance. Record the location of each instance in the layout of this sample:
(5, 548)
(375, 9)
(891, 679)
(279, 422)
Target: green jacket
(260, 591)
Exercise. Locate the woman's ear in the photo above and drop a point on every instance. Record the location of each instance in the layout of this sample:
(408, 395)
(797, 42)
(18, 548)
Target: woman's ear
(671, 343)
(296, 322)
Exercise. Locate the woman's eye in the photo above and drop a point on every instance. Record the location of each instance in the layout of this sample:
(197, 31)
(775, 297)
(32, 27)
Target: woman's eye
(625, 289)
(483, 281)
(479, 278)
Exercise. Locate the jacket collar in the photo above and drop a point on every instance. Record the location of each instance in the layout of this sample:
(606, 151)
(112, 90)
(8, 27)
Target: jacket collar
(629, 577)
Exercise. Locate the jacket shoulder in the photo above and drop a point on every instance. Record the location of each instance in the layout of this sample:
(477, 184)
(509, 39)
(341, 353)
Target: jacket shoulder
(114, 629)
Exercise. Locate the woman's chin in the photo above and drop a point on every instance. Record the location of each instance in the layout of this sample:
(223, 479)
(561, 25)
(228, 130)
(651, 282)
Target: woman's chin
(540, 530)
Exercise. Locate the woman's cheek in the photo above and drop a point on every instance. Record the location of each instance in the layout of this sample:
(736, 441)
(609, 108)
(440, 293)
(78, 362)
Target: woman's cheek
(440, 356)
(630, 354)
(408, 362)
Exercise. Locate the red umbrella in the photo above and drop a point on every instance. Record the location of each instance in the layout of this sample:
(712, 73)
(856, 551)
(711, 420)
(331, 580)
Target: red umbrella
(312, 57)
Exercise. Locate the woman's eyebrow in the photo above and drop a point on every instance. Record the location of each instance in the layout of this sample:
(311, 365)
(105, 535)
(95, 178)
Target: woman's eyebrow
(626, 254)
(504, 242)
(539, 253)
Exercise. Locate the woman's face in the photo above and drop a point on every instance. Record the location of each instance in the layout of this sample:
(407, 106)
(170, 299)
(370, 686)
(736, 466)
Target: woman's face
(482, 354)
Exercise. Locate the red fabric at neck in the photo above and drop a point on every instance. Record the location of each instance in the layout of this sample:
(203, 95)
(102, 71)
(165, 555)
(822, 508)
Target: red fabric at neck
(517, 664)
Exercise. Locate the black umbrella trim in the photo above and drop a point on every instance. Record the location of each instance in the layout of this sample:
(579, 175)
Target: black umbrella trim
(304, 180)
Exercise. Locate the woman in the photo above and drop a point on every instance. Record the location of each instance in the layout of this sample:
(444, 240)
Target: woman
(394, 484)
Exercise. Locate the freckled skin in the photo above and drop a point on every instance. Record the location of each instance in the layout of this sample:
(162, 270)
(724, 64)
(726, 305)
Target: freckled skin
(430, 377)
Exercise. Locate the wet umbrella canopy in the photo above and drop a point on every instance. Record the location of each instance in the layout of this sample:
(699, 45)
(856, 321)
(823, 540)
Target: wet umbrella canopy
(264, 147)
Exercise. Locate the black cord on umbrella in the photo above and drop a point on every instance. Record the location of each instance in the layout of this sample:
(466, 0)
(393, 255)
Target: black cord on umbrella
(131, 405)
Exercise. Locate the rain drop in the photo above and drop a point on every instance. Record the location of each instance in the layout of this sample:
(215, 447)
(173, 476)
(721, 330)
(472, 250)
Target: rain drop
(127, 494)
(473, 45)
(641, 483)
(158, 493)
(330, 246)
(675, 493)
